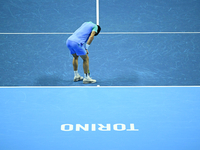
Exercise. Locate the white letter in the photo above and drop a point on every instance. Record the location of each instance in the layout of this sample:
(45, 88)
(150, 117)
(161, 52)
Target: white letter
(107, 127)
(132, 128)
(93, 127)
(123, 127)
(86, 128)
(63, 127)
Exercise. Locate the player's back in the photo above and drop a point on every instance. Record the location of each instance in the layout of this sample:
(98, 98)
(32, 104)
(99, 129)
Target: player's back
(82, 34)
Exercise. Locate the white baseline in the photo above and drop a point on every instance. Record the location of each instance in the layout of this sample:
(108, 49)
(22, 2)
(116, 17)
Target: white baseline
(60, 33)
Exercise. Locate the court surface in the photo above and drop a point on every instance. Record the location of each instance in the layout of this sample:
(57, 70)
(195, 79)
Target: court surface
(165, 118)
(146, 61)
(142, 43)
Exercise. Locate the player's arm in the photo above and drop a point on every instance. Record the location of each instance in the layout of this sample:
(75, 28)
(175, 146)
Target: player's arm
(91, 37)
(90, 40)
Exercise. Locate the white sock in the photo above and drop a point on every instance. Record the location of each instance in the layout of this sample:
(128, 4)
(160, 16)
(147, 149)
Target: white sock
(75, 73)
(86, 75)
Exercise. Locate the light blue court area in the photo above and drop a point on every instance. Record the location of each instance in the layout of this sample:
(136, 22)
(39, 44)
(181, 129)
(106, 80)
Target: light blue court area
(100, 118)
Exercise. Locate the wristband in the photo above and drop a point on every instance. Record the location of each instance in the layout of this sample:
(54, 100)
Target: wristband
(87, 46)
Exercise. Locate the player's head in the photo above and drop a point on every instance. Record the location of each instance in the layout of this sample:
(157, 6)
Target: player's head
(98, 30)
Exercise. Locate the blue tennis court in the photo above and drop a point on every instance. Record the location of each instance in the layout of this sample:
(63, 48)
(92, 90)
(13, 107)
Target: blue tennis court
(145, 60)
(126, 53)
(163, 118)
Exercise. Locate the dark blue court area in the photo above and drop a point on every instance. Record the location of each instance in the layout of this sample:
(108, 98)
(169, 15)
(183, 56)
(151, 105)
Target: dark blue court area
(115, 59)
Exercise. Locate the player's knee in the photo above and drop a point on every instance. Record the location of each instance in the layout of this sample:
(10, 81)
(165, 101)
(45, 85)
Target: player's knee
(75, 56)
(85, 58)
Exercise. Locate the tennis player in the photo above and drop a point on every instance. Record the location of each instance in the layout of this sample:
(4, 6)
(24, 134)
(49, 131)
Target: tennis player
(78, 44)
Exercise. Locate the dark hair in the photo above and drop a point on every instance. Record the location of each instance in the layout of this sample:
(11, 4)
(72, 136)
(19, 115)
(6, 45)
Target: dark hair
(99, 29)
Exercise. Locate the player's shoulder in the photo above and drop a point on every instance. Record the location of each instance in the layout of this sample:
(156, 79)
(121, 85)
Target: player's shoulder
(90, 22)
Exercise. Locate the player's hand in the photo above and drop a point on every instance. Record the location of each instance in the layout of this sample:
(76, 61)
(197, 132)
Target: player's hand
(87, 51)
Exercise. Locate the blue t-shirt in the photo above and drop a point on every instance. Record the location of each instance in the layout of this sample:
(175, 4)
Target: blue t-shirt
(82, 34)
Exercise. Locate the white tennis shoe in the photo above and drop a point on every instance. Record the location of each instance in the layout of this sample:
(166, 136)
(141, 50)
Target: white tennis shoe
(78, 78)
(88, 80)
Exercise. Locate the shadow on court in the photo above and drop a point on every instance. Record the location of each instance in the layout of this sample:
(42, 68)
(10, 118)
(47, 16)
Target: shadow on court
(52, 80)
(120, 80)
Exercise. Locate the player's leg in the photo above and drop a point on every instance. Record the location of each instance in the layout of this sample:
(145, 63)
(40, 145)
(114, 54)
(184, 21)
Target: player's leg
(77, 77)
(72, 45)
(87, 78)
(75, 62)
(85, 63)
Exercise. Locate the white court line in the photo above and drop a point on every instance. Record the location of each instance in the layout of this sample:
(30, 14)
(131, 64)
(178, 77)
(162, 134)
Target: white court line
(59, 33)
(99, 87)
(150, 32)
(97, 11)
